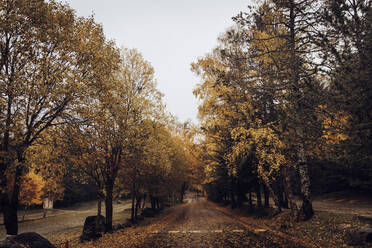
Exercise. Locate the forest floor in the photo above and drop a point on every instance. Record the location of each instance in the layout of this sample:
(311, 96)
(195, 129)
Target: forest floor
(200, 223)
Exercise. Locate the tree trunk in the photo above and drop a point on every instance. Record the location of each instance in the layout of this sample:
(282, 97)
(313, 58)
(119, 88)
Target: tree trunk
(99, 207)
(133, 202)
(183, 190)
(10, 220)
(99, 210)
(307, 208)
(233, 202)
(232, 194)
(144, 201)
(306, 211)
(138, 204)
(241, 195)
(157, 202)
(24, 213)
(282, 194)
(152, 200)
(4, 199)
(109, 186)
(45, 211)
(285, 203)
(288, 189)
(11, 205)
(250, 200)
(266, 196)
(133, 194)
(275, 198)
(258, 196)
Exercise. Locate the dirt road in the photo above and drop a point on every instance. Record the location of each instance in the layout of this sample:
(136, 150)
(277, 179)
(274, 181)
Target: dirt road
(196, 223)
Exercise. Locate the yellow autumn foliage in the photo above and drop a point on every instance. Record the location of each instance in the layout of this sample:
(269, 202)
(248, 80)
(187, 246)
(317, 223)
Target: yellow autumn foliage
(31, 190)
(267, 146)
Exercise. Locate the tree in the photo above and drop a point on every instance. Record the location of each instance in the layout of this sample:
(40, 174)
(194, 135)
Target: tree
(189, 134)
(292, 65)
(80, 143)
(287, 87)
(113, 118)
(346, 47)
(49, 60)
(225, 106)
(46, 157)
(31, 190)
(134, 99)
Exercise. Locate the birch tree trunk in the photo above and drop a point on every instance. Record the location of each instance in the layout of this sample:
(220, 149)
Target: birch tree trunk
(307, 208)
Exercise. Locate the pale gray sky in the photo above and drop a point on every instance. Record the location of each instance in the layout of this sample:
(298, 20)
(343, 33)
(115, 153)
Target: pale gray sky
(170, 34)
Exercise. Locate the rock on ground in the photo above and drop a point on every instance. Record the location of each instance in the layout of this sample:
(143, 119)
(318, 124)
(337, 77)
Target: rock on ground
(89, 230)
(361, 236)
(29, 239)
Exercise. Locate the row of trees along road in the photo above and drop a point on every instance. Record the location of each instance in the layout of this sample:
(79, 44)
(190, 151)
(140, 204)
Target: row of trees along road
(74, 105)
(288, 87)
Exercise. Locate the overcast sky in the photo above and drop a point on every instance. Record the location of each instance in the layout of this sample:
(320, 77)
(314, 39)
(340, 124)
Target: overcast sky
(170, 34)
